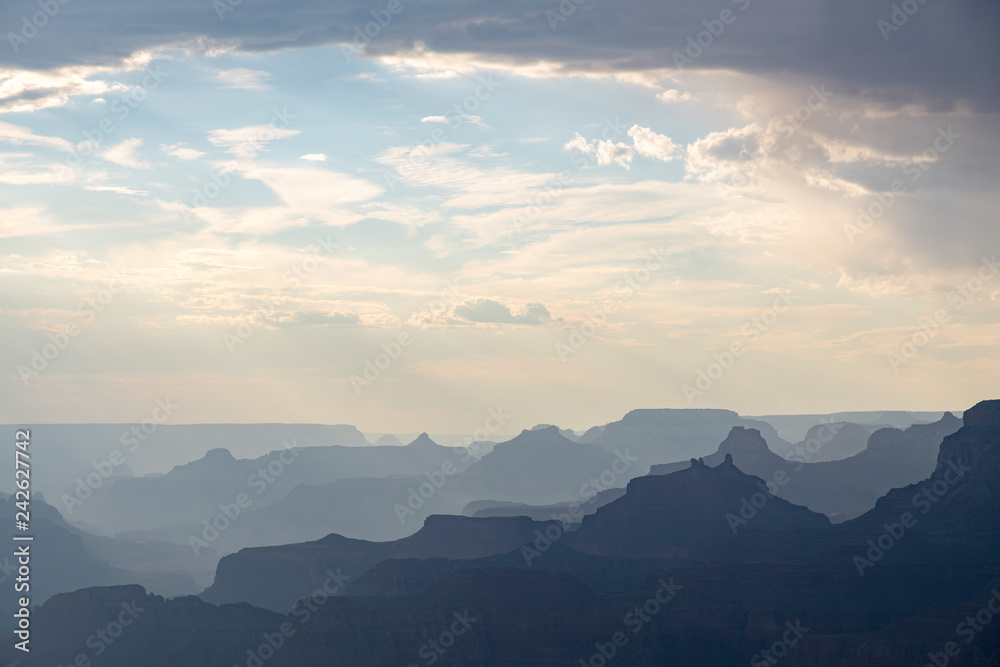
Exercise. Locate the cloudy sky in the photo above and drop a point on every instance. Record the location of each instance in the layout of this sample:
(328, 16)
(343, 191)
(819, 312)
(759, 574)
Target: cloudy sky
(403, 213)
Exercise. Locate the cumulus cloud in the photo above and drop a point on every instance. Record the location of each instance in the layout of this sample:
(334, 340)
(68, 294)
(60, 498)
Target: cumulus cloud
(645, 142)
(26, 90)
(605, 151)
(652, 145)
(488, 311)
(729, 156)
(313, 157)
(674, 95)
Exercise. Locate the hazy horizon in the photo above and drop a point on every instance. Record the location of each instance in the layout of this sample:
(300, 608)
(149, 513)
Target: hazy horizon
(510, 429)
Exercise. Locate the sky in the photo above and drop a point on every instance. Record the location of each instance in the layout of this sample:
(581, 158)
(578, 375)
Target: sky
(404, 214)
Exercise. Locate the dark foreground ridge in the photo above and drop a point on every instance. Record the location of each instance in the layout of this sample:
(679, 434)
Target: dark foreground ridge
(661, 576)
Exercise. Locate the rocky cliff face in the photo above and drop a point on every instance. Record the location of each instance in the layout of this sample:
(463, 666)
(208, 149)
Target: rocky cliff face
(662, 436)
(701, 513)
(958, 506)
(536, 467)
(847, 439)
(745, 446)
(743, 440)
(977, 444)
(841, 489)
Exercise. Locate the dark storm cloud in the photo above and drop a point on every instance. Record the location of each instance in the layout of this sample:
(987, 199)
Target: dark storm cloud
(943, 50)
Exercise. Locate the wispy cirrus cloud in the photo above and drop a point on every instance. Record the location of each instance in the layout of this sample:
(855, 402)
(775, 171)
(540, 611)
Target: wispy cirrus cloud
(117, 189)
(125, 154)
(471, 119)
(246, 142)
(25, 169)
(242, 78)
(181, 152)
(319, 193)
(23, 136)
